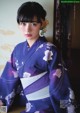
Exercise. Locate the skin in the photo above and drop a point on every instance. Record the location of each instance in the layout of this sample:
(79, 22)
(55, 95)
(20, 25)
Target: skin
(1, 103)
(30, 30)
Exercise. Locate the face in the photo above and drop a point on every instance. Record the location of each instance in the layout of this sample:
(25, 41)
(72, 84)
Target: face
(30, 29)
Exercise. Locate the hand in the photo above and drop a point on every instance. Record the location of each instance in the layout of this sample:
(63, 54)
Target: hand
(1, 103)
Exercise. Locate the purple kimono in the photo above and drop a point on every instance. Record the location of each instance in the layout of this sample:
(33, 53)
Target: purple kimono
(43, 77)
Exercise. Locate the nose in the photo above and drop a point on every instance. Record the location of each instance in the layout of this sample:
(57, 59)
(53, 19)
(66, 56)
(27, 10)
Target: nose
(28, 27)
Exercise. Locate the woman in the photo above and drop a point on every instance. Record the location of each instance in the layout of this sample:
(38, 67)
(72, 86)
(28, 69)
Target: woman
(38, 65)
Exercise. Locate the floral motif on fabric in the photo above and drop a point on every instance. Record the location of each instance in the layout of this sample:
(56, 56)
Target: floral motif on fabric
(26, 74)
(48, 55)
(28, 106)
(57, 73)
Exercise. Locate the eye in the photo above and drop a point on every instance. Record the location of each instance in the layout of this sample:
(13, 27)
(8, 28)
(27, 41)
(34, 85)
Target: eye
(23, 23)
(34, 23)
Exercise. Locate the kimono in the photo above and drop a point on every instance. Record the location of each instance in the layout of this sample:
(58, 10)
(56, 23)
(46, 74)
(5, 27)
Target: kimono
(44, 79)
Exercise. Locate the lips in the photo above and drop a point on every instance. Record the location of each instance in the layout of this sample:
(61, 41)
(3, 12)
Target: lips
(28, 35)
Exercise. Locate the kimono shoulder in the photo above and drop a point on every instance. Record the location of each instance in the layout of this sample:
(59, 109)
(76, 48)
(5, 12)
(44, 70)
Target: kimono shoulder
(49, 50)
(20, 47)
(18, 53)
(50, 46)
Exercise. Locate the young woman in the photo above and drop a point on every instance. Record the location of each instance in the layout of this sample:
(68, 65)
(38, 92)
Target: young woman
(37, 64)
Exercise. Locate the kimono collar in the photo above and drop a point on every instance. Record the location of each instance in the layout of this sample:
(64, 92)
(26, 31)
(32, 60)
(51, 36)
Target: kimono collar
(40, 40)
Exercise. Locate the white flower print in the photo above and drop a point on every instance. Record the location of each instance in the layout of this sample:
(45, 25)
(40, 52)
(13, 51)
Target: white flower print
(16, 63)
(71, 107)
(10, 96)
(26, 74)
(69, 103)
(48, 55)
(28, 106)
(57, 73)
(71, 95)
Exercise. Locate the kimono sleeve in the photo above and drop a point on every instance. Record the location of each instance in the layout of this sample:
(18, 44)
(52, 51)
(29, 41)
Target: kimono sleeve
(61, 93)
(9, 81)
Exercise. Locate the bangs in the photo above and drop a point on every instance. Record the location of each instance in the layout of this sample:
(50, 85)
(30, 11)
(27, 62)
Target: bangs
(28, 18)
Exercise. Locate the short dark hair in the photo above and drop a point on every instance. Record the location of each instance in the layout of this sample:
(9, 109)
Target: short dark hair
(28, 10)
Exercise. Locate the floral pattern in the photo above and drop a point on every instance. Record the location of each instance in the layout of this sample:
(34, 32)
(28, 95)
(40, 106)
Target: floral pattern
(28, 106)
(26, 74)
(48, 55)
(57, 73)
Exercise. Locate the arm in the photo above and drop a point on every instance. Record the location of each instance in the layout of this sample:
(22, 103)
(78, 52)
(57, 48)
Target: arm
(60, 89)
(8, 84)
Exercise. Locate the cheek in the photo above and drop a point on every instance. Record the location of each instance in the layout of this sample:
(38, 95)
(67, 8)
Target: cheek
(37, 29)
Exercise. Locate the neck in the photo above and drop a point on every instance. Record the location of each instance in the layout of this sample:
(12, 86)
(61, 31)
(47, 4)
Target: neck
(31, 42)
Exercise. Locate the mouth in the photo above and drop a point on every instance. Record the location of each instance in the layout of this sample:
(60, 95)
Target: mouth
(28, 35)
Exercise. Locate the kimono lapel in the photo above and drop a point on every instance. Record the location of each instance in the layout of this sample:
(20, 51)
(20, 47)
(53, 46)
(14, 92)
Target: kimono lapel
(33, 49)
(29, 53)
